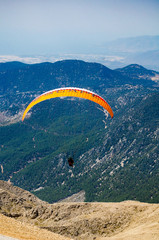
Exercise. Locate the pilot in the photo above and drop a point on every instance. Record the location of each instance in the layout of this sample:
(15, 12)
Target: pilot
(70, 161)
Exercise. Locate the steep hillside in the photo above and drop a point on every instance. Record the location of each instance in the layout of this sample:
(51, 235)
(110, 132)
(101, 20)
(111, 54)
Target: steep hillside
(106, 156)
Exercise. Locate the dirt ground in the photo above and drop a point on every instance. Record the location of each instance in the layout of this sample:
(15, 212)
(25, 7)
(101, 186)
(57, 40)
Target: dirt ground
(13, 228)
(144, 226)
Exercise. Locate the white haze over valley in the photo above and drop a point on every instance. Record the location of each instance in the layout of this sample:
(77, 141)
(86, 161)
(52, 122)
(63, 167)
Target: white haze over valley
(104, 59)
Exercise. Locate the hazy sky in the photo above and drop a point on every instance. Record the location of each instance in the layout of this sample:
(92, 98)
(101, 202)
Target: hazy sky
(72, 26)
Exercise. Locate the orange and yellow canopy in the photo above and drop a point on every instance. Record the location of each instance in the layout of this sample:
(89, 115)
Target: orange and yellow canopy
(70, 92)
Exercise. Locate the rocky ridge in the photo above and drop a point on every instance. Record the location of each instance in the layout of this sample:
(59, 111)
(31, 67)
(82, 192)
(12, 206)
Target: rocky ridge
(81, 220)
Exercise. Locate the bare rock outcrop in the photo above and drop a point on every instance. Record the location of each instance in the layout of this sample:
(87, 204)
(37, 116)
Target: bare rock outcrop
(77, 197)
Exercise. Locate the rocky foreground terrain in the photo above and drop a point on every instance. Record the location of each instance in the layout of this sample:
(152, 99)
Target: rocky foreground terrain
(24, 216)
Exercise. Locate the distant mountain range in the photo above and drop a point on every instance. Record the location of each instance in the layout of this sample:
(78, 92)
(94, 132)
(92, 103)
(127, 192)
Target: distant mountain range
(16, 76)
(142, 50)
(134, 44)
(115, 159)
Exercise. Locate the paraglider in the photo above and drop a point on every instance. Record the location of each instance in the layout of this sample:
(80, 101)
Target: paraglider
(70, 92)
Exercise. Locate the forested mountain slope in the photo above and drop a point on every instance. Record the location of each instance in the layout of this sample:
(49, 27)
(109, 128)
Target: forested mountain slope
(115, 159)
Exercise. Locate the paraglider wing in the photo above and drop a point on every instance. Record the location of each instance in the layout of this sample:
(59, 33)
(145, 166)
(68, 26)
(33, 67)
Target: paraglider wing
(70, 92)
